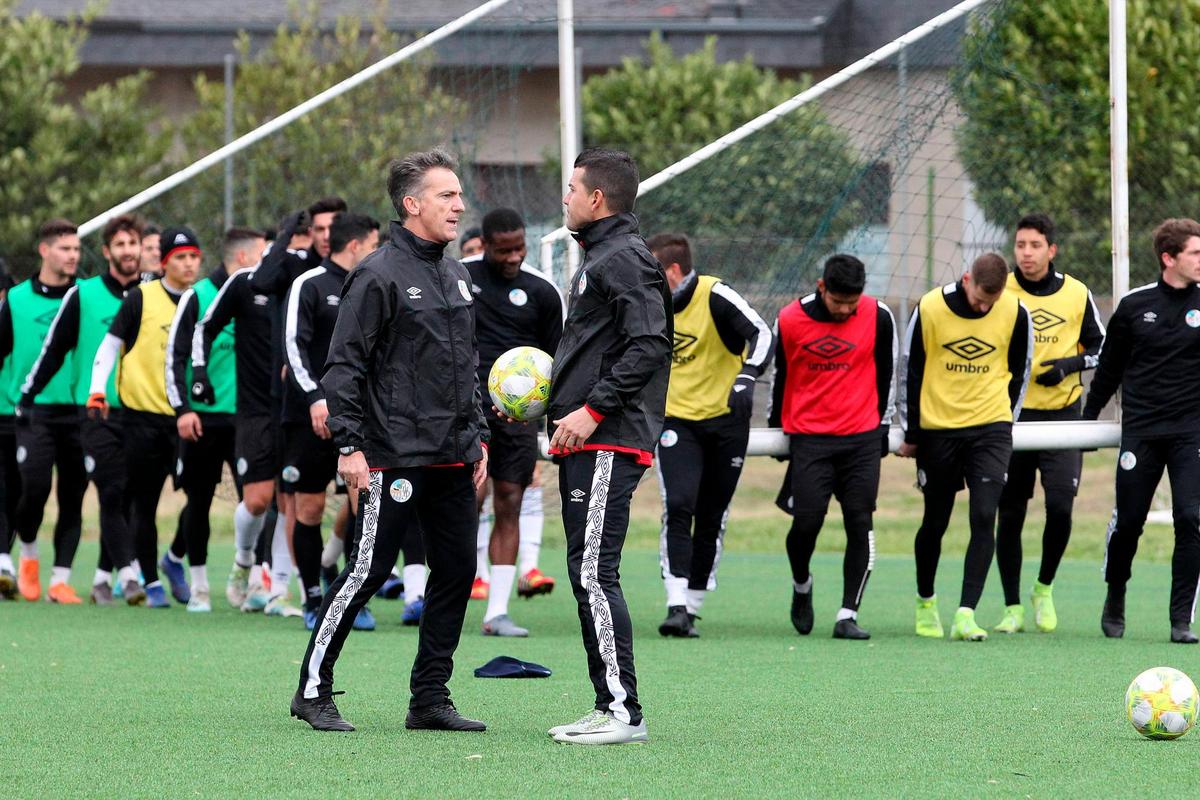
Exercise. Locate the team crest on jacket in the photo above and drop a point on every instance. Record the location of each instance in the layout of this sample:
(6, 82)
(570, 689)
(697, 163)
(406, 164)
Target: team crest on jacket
(1192, 318)
(464, 290)
(401, 490)
(518, 297)
(582, 282)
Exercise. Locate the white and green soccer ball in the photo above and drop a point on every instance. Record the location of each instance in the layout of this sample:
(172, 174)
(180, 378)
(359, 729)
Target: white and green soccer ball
(1161, 703)
(519, 383)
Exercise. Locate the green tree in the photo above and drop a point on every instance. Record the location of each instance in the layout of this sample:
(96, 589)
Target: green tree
(785, 194)
(1034, 88)
(63, 159)
(341, 148)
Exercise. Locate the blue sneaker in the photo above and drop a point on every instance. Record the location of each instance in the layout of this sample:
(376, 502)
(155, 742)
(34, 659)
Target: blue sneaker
(156, 597)
(177, 578)
(392, 588)
(365, 621)
(412, 612)
(310, 619)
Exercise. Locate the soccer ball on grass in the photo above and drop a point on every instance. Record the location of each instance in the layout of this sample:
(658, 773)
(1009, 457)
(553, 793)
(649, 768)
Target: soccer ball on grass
(1161, 703)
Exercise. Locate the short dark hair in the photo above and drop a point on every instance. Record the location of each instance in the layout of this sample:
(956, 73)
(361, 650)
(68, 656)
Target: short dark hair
(1172, 236)
(1038, 222)
(326, 205)
(150, 229)
(501, 220)
(407, 175)
(614, 173)
(844, 274)
(51, 229)
(347, 228)
(672, 248)
(990, 273)
(469, 234)
(237, 237)
(125, 222)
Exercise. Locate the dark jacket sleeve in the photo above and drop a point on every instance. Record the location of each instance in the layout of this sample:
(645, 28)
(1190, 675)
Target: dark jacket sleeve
(360, 320)
(221, 311)
(62, 339)
(912, 373)
(128, 321)
(641, 309)
(886, 351)
(297, 336)
(739, 324)
(1020, 360)
(271, 277)
(550, 320)
(1091, 334)
(6, 331)
(179, 351)
(778, 383)
(1114, 358)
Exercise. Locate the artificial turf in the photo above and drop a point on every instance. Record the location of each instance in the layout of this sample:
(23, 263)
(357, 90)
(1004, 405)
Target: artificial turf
(125, 702)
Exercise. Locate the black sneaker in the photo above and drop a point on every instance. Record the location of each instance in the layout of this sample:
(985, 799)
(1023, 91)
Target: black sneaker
(1182, 634)
(802, 612)
(319, 712)
(848, 629)
(1112, 619)
(441, 717)
(678, 624)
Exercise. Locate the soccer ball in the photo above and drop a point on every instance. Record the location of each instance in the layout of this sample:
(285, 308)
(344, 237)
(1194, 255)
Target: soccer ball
(519, 383)
(1161, 703)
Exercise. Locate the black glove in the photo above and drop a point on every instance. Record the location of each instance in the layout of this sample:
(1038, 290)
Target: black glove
(1060, 368)
(202, 390)
(741, 397)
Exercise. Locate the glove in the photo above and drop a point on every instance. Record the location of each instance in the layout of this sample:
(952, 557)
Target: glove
(22, 412)
(97, 407)
(202, 390)
(741, 397)
(1060, 368)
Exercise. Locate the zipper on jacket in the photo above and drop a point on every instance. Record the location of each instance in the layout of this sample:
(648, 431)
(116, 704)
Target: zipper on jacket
(448, 312)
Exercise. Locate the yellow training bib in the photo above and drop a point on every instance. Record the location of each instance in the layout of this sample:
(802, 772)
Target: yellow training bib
(1057, 321)
(702, 368)
(142, 383)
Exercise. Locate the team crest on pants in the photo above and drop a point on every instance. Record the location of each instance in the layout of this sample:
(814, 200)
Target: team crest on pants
(290, 474)
(1128, 460)
(668, 438)
(242, 466)
(22, 454)
(401, 490)
(89, 464)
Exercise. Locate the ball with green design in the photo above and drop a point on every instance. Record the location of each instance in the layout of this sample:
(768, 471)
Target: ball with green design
(1161, 703)
(519, 383)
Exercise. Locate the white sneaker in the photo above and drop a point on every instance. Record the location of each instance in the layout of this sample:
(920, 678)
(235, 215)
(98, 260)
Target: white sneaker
(199, 601)
(238, 586)
(257, 598)
(278, 607)
(606, 729)
(580, 723)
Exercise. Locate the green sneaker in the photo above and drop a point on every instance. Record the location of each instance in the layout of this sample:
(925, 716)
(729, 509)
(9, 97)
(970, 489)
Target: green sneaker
(1014, 620)
(965, 628)
(928, 622)
(1043, 608)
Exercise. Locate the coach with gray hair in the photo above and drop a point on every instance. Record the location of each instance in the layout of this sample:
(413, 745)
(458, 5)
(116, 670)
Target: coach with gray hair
(405, 413)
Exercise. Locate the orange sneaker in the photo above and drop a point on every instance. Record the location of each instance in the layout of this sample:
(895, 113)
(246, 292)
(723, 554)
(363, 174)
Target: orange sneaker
(27, 579)
(533, 583)
(62, 593)
(479, 589)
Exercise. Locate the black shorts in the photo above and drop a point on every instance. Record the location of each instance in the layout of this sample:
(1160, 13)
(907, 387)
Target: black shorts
(1060, 472)
(104, 449)
(821, 467)
(200, 462)
(256, 448)
(948, 461)
(309, 462)
(512, 451)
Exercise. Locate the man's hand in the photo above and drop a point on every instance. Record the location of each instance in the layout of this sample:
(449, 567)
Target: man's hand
(479, 474)
(507, 418)
(741, 397)
(318, 413)
(573, 430)
(97, 407)
(1060, 368)
(353, 469)
(189, 427)
(907, 450)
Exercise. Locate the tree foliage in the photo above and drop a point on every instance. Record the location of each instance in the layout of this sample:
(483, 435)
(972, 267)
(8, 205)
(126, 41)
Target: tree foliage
(58, 159)
(1035, 92)
(341, 148)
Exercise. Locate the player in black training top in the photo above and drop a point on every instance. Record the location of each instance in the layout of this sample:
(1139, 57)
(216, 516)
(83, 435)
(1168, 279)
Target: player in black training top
(1152, 352)
(515, 305)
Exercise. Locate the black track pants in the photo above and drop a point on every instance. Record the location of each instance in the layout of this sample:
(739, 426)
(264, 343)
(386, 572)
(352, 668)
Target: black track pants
(10, 485)
(104, 460)
(150, 455)
(42, 448)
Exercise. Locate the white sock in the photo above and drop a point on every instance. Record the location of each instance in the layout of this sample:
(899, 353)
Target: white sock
(676, 590)
(846, 613)
(137, 571)
(695, 599)
(926, 599)
(531, 523)
(482, 538)
(174, 557)
(60, 575)
(333, 551)
(281, 559)
(6, 562)
(200, 578)
(102, 576)
(503, 578)
(414, 582)
(965, 608)
(256, 575)
(803, 588)
(246, 530)
(29, 550)
(126, 574)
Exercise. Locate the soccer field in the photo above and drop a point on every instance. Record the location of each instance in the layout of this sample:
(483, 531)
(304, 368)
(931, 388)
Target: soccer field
(136, 703)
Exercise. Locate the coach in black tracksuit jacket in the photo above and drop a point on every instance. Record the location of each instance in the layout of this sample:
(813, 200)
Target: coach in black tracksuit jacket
(401, 387)
(1152, 352)
(613, 361)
